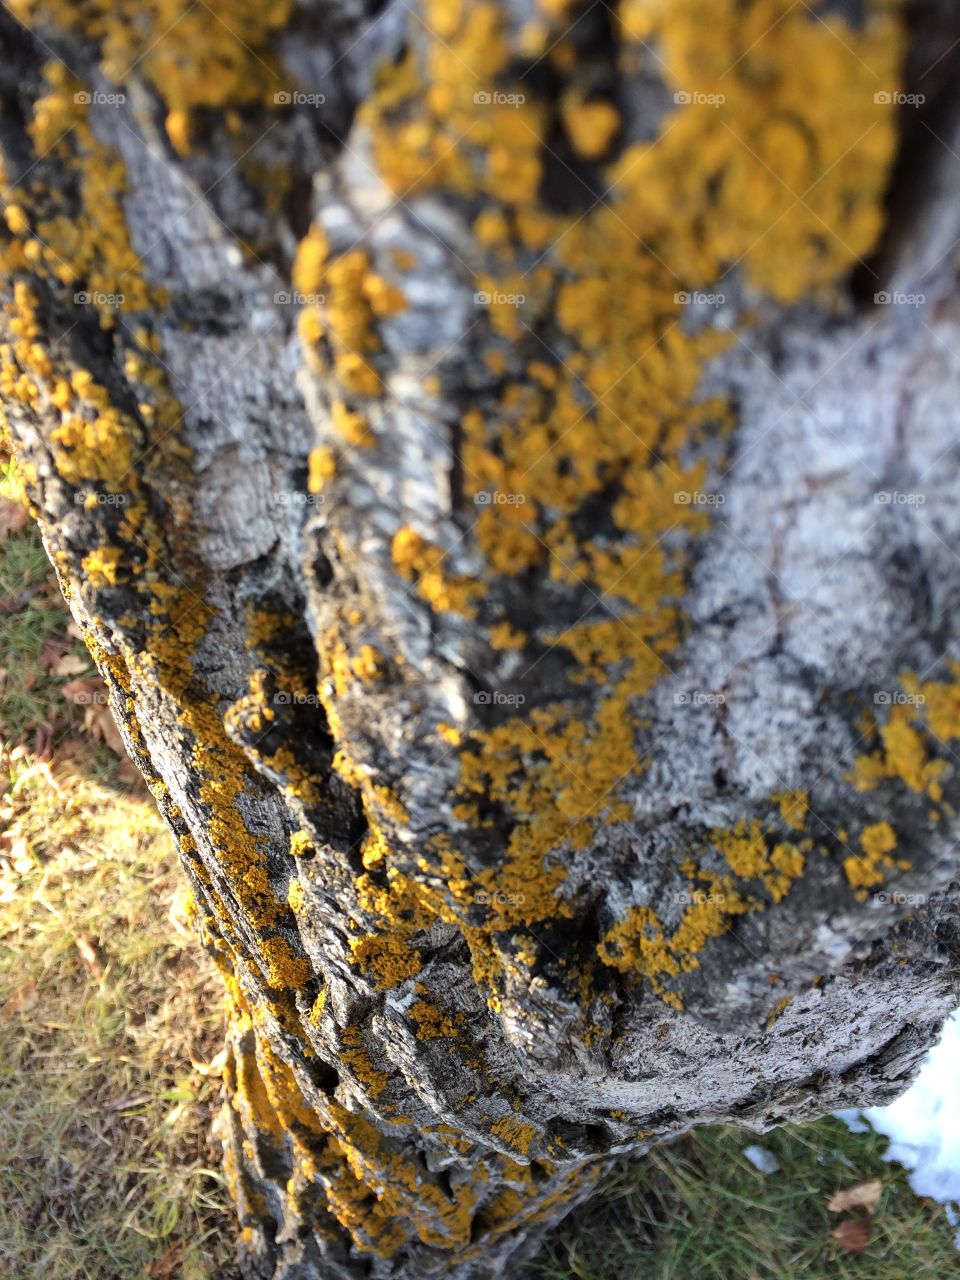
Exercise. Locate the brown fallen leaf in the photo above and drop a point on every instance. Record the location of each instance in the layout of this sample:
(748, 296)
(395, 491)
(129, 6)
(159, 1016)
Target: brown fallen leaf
(20, 1001)
(167, 1265)
(84, 692)
(128, 1103)
(54, 647)
(212, 1068)
(865, 1195)
(100, 724)
(12, 517)
(90, 693)
(852, 1234)
(20, 855)
(71, 664)
(91, 954)
(43, 741)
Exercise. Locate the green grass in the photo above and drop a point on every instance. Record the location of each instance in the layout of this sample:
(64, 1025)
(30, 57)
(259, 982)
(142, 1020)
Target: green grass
(30, 698)
(699, 1210)
(32, 616)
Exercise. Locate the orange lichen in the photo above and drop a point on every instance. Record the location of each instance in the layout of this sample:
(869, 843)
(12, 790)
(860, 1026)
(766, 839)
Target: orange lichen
(639, 945)
(514, 1133)
(794, 807)
(301, 844)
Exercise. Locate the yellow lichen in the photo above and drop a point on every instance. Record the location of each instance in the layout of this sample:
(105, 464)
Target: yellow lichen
(877, 842)
(420, 562)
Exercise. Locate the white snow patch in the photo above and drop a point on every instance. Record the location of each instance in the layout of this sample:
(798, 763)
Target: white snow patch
(762, 1159)
(924, 1124)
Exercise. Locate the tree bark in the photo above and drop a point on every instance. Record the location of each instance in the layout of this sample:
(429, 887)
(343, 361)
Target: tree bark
(503, 461)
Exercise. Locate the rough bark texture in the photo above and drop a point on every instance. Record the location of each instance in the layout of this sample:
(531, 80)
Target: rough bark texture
(522, 556)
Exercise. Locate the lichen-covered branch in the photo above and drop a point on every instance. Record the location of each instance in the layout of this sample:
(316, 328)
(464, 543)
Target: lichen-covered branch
(509, 494)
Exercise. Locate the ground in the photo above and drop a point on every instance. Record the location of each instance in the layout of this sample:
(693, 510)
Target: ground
(111, 1025)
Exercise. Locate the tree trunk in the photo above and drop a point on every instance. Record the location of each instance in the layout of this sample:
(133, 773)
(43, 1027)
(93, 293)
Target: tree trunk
(521, 550)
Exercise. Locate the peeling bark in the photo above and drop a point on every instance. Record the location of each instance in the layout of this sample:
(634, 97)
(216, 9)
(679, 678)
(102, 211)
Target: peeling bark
(503, 463)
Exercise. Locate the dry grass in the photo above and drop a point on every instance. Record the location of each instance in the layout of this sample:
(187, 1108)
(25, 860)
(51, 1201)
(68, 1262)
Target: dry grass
(110, 1014)
(106, 1005)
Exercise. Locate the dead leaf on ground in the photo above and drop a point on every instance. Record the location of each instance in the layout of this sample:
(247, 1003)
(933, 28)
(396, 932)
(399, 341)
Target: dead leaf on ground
(54, 647)
(167, 1265)
(84, 692)
(129, 1103)
(91, 953)
(212, 1068)
(43, 741)
(13, 517)
(852, 1234)
(90, 693)
(865, 1195)
(71, 664)
(20, 855)
(100, 724)
(20, 1001)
